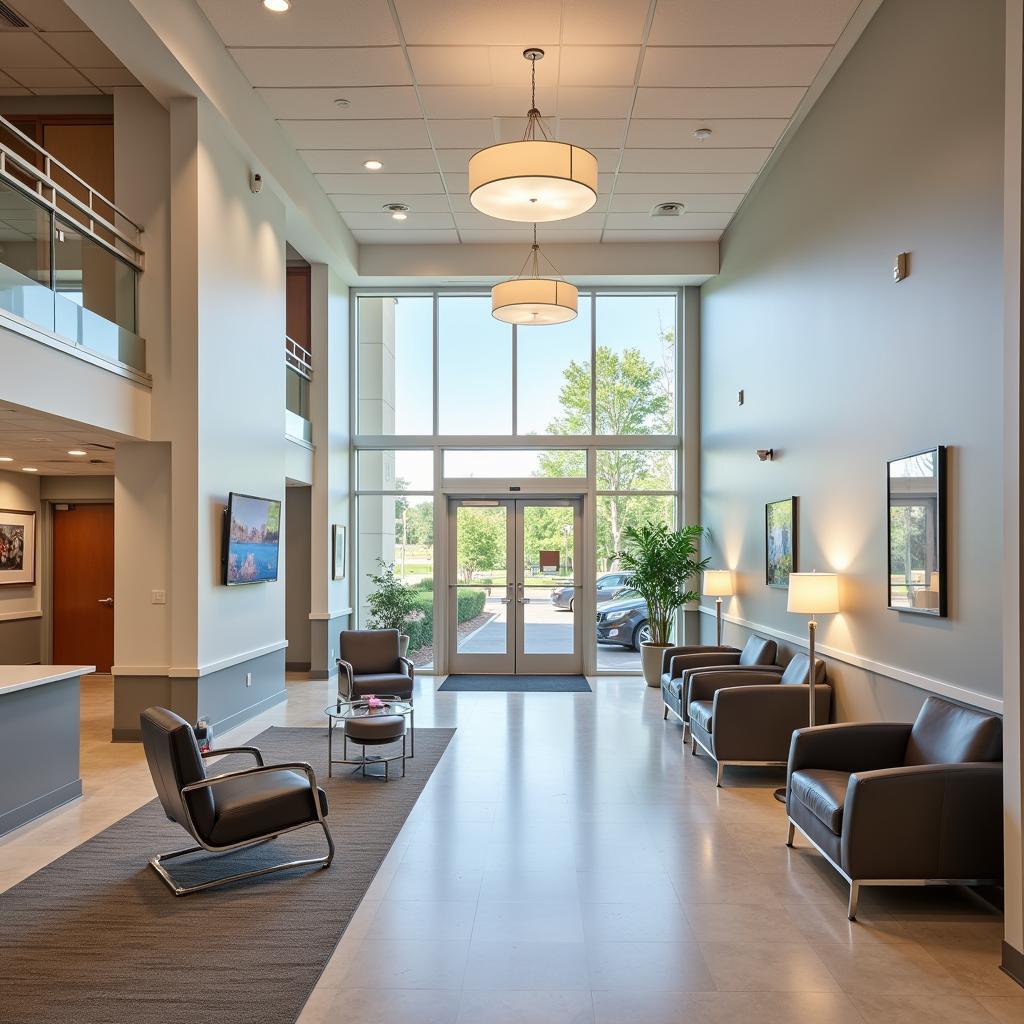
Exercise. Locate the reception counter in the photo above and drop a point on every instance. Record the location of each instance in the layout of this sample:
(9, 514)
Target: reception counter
(39, 740)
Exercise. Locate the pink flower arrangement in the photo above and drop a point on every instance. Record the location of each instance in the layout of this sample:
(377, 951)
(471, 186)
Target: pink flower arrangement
(373, 702)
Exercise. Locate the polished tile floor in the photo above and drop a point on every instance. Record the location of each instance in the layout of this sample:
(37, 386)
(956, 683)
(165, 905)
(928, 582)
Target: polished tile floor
(569, 863)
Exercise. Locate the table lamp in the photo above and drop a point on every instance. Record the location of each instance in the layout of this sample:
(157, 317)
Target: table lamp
(813, 593)
(718, 584)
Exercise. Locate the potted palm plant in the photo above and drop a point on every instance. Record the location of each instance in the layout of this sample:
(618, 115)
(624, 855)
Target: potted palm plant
(660, 563)
(391, 602)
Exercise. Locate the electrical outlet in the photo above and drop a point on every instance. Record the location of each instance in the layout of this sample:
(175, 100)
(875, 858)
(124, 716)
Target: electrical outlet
(159, 597)
(248, 679)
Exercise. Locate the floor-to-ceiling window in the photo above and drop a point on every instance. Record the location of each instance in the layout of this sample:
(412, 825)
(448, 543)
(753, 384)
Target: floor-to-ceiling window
(448, 403)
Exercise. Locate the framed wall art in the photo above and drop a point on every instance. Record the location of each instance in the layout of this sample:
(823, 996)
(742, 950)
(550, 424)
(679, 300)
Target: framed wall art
(338, 549)
(17, 548)
(780, 541)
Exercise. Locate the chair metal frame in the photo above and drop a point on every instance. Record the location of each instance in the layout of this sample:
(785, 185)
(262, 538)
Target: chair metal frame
(157, 862)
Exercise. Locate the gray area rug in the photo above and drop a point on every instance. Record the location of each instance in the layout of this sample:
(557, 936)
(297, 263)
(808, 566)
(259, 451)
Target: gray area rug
(96, 936)
(515, 684)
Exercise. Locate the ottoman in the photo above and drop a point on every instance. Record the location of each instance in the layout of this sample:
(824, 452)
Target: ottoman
(374, 731)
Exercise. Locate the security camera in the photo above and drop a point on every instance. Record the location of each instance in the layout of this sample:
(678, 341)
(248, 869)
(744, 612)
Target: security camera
(766, 454)
(255, 183)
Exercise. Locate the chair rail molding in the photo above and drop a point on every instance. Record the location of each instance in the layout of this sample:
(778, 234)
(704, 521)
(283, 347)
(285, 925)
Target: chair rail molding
(942, 687)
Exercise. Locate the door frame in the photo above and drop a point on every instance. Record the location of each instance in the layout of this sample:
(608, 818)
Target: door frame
(584, 571)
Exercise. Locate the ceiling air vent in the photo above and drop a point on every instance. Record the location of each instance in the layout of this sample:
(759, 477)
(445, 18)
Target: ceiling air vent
(11, 17)
(667, 210)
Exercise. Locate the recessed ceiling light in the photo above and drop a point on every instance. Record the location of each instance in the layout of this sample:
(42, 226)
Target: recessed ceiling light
(29, 469)
(398, 211)
(342, 102)
(6, 458)
(278, 6)
(701, 134)
(373, 165)
(76, 451)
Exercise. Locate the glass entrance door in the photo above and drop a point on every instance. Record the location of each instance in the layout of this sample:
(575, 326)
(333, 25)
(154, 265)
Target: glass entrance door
(512, 586)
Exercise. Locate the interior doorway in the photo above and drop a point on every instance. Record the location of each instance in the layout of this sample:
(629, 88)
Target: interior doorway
(83, 585)
(519, 558)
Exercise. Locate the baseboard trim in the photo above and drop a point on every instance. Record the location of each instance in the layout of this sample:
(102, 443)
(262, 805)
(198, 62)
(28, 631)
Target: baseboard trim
(942, 687)
(296, 666)
(1013, 964)
(41, 805)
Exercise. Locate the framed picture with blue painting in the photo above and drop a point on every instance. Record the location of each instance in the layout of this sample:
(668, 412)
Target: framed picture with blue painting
(780, 541)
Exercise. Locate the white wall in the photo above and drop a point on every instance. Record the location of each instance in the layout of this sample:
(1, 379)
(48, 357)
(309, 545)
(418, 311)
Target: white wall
(844, 369)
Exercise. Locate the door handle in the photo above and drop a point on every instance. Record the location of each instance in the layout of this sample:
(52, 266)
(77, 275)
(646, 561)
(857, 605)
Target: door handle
(108, 601)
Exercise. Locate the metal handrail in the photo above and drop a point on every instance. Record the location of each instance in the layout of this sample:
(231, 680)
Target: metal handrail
(90, 217)
(298, 358)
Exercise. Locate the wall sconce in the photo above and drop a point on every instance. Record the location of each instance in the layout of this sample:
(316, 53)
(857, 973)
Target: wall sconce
(765, 454)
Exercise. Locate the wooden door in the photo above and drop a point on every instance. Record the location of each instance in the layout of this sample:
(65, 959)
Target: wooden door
(83, 584)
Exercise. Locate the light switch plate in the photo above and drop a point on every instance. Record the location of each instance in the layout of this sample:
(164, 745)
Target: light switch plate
(248, 679)
(159, 597)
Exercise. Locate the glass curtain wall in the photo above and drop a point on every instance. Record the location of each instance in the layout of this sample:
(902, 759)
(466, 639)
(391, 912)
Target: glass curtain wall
(439, 383)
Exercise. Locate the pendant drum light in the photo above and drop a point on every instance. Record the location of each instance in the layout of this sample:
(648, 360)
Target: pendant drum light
(534, 300)
(536, 179)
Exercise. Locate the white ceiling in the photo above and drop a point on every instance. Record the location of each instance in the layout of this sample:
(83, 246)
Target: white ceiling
(42, 441)
(55, 55)
(430, 81)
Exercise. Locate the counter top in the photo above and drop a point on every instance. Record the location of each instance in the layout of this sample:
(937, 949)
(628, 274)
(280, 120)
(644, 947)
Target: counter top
(23, 677)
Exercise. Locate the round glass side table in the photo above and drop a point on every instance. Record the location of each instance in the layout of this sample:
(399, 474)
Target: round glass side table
(365, 725)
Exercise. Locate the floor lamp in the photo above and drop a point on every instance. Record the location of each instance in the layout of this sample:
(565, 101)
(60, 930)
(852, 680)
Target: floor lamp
(718, 584)
(811, 593)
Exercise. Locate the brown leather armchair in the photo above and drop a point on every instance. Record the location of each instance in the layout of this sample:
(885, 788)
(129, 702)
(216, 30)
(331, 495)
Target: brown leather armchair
(889, 803)
(747, 717)
(680, 663)
(371, 662)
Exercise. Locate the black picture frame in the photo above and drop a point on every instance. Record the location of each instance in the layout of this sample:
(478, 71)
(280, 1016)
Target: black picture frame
(912, 598)
(774, 576)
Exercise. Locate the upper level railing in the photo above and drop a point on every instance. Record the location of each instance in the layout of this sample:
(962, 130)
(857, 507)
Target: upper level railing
(298, 371)
(69, 257)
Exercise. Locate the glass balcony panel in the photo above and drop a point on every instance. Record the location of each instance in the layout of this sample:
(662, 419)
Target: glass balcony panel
(25, 258)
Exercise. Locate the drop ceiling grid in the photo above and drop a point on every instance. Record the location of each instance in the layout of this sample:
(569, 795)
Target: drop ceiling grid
(629, 79)
(56, 55)
(36, 439)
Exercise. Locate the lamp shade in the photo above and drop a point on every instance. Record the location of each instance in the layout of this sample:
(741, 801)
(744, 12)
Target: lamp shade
(533, 181)
(718, 583)
(813, 593)
(534, 300)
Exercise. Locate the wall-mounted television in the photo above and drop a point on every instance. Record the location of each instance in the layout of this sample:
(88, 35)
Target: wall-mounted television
(252, 539)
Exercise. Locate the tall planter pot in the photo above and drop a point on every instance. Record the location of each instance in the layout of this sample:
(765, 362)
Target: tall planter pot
(650, 660)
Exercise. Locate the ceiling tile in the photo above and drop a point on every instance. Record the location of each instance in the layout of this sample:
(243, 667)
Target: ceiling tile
(350, 161)
(641, 184)
(598, 65)
(461, 101)
(603, 21)
(483, 65)
(24, 50)
(48, 15)
(319, 66)
(593, 133)
(13, 90)
(467, 133)
(684, 222)
(749, 22)
(308, 23)
(703, 103)
(379, 101)
(655, 133)
(381, 221)
(478, 22)
(662, 236)
(392, 187)
(693, 160)
(404, 236)
(111, 77)
(454, 159)
(495, 236)
(316, 134)
(371, 204)
(66, 90)
(82, 49)
(52, 78)
(731, 65)
(475, 220)
(594, 101)
(708, 203)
